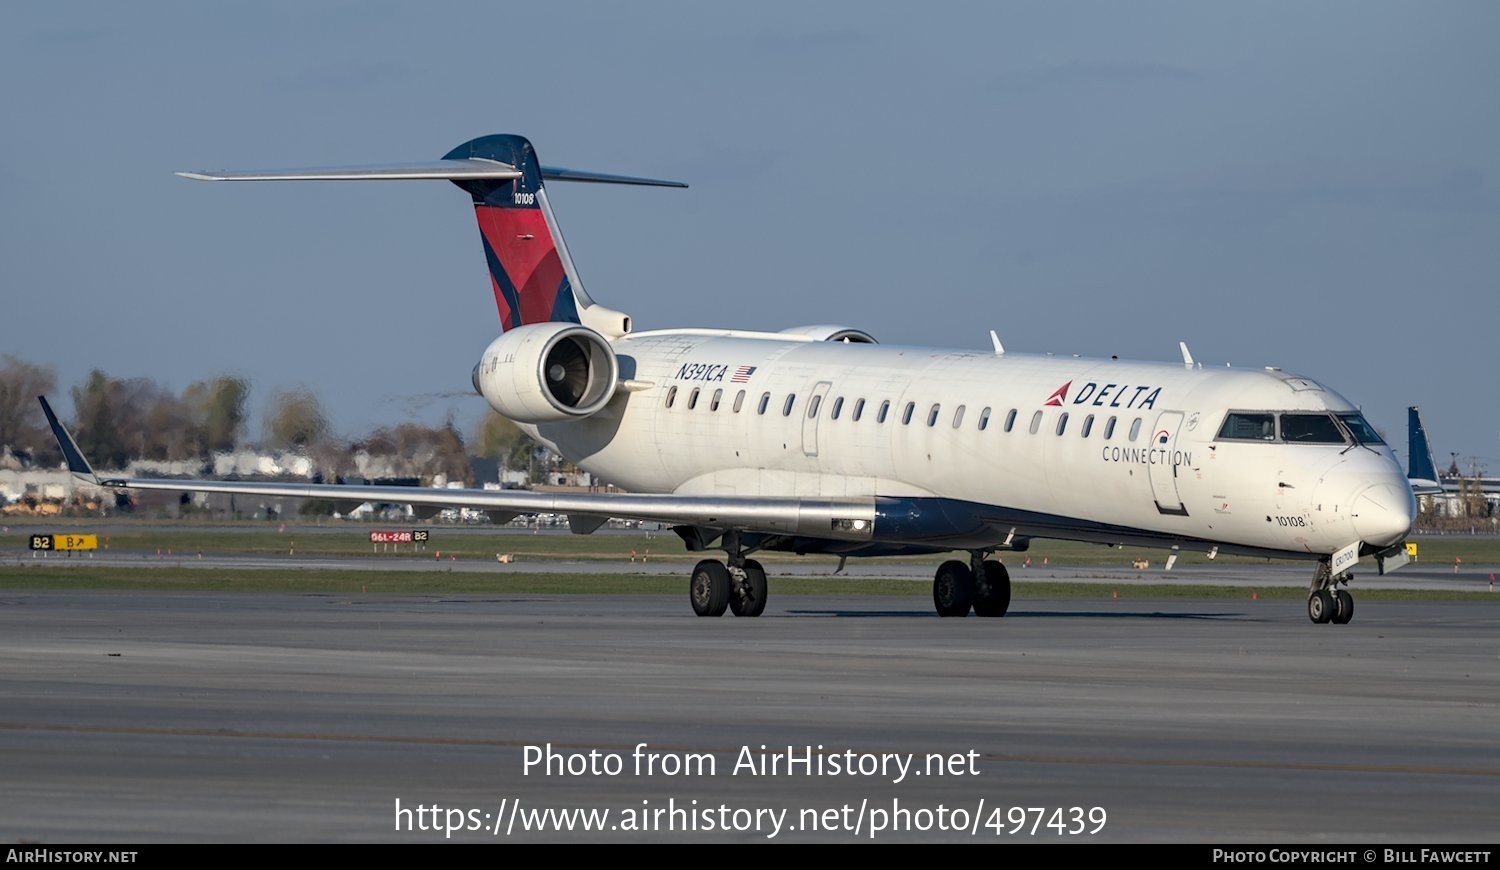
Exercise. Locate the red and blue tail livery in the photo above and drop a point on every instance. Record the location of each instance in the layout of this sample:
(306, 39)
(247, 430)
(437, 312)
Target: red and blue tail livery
(531, 274)
(526, 270)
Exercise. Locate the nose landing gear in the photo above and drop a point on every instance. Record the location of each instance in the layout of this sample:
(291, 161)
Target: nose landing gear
(1326, 602)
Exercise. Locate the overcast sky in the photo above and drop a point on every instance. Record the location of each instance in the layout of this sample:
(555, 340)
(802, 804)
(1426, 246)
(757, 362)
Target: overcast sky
(1308, 185)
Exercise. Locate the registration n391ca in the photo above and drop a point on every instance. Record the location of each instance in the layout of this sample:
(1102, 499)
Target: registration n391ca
(818, 439)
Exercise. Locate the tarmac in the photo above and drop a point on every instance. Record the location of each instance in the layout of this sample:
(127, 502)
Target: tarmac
(220, 717)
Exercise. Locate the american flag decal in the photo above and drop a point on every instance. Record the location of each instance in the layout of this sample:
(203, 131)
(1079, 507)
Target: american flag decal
(742, 375)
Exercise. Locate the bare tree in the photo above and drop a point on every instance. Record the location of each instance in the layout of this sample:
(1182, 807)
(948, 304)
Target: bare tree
(22, 427)
(120, 419)
(501, 439)
(166, 425)
(95, 422)
(218, 412)
(421, 451)
(296, 421)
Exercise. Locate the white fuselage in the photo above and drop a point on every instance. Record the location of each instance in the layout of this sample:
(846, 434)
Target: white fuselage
(1103, 450)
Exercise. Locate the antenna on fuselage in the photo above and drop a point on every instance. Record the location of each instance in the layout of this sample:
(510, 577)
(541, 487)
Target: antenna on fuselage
(995, 340)
(1187, 355)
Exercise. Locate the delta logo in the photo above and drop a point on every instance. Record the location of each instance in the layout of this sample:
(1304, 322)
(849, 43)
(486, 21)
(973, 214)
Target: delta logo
(1105, 396)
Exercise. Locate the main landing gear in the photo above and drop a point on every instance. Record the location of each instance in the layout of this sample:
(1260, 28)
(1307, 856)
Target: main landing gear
(983, 585)
(739, 586)
(1326, 602)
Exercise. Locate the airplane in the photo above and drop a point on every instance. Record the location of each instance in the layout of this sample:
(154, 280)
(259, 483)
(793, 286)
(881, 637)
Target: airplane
(819, 439)
(1421, 470)
(1423, 474)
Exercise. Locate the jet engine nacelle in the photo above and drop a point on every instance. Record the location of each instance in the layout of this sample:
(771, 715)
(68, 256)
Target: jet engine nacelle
(546, 372)
(832, 332)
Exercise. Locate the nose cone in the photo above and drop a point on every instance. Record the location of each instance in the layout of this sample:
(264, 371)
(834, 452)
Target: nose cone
(1383, 513)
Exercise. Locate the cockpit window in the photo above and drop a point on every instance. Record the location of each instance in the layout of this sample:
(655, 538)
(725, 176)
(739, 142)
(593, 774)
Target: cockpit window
(1310, 429)
(1362, 431)
(1240, 426)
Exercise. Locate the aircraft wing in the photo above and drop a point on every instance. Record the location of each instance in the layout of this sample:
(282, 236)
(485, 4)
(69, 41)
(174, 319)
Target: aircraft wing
(850, 519)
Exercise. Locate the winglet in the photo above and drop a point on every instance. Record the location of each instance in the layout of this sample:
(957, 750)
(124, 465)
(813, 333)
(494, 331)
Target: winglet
(76, 463)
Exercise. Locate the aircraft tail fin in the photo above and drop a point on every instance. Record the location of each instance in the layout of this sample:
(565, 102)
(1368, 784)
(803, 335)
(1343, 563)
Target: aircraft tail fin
(1420, 467)
(532, 275)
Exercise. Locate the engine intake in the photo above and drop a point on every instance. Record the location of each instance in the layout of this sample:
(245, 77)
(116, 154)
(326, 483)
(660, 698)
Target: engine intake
(547, 372)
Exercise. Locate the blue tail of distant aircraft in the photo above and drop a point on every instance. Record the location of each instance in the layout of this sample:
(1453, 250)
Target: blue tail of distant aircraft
(1419, 453)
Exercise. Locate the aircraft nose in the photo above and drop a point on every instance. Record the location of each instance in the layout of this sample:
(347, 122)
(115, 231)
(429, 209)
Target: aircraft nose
(1384, 512)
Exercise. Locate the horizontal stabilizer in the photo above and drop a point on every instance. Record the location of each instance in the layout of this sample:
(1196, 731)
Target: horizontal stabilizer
(440, 170)
(532, 277)
(436, 170)
(559, 173)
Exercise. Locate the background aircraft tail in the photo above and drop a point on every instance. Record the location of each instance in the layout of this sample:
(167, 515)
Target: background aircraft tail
(1420, 469)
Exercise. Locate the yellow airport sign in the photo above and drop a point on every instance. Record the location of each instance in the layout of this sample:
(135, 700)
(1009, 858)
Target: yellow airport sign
(64, 542)
(1411, 549)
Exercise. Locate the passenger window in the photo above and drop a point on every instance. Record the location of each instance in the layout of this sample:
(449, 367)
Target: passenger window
(1036, 422)
(906, 415)
(1248, 427)
(958, 417)
(932, 416)
(693, 399)
(1088, 426)
(1109, 429)
(671, 396)
(885, 408)
(812, 406)
(765, 401)
(786, 408)
(1010, 420)
(1135, 428)
(1062, 422)
(714, 404)
(739, 401)
(859, 409)
(838, 405)
(984, 419)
